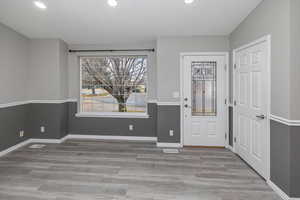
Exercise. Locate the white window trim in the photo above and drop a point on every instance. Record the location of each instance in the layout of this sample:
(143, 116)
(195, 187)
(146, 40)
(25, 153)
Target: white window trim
(79, 113)
(112, 115)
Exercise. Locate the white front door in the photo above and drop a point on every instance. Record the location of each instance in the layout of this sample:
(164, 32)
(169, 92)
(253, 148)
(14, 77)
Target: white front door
(251, 105)
(204, 90)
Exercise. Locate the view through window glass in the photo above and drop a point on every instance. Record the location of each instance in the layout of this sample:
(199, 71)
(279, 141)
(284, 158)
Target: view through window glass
(113, 84)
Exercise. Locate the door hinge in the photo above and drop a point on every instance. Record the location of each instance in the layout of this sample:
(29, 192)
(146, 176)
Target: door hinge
(225, 101)
(225, 136)
(234, 103)
(234, 66)
(234, 139)
(225, 67)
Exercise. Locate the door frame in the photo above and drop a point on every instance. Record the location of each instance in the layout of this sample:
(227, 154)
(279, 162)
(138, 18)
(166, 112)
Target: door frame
(266, 39)
(226, 96)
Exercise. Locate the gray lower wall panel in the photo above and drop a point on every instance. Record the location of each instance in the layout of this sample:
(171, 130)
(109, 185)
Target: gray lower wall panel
(280, 155)
(64, 117)
(12, 121)
(285, 159)
(59, 120)
(54, 117)
(295, 161)
(168, 118)
(113, 126)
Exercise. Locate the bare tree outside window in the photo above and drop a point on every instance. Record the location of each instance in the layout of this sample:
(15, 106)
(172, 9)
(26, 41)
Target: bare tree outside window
(113, 84)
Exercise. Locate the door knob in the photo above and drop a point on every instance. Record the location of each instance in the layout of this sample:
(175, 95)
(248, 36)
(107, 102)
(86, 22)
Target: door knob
(185, 99)
(186, 106)
(261, 116)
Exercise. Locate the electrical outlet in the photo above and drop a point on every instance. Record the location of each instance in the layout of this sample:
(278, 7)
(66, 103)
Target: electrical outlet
(131, 127)
(171, 132)
(21, 133)
(42, 129)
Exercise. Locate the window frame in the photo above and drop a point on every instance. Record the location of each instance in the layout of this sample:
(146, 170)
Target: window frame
(111, 114)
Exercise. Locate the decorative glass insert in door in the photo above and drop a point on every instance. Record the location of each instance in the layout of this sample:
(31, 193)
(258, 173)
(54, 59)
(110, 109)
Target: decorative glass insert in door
(204, 88)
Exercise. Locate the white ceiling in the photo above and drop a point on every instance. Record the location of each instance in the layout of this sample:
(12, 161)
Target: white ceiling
(94, 22)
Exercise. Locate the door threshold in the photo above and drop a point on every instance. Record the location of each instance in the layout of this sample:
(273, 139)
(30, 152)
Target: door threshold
(204, 147)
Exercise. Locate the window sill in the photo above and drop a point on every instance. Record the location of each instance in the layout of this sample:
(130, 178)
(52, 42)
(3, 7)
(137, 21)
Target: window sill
(113, 115)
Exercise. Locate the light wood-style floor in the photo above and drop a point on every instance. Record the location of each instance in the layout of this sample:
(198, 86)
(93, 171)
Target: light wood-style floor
(112, 170)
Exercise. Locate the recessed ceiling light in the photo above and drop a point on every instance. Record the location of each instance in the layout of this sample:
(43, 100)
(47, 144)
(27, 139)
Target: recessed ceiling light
(40, 5)
(188, 1)
(112, 3)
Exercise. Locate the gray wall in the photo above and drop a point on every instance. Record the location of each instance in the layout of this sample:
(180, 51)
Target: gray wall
(168, 118)
(48, 70)
(168, 60)
(54, 117)
(14, 62)
(63, 70)
(44, 70)
(32, 70)
(12, 121)
(271, 17)
(113, 126)
(295, 60)
(48, 80)
(285, 162)
(29, 118)
(280, 155)
(295, 161)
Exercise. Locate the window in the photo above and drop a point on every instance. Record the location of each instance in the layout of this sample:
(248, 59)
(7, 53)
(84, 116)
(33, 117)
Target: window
(113, 84)
(204, 90)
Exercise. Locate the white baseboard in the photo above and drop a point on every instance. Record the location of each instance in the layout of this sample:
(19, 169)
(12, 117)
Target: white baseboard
(15, 147)
(29, 141)
(97, 137)
(59, 141)
(280, 192)
(49, 141)
(168, 145)
(108, 137)
(230, 148)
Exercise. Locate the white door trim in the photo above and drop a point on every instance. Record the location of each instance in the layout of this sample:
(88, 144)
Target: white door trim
(266, 39)
(182, 55)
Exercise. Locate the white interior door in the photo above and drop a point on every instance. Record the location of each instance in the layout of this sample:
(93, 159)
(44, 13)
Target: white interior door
(204, 90)
(251, 105)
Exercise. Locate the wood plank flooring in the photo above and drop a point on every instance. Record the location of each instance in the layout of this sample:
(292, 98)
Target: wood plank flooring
(119, 170)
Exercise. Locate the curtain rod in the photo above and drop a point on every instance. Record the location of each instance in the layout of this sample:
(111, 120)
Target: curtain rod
(110, 50)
